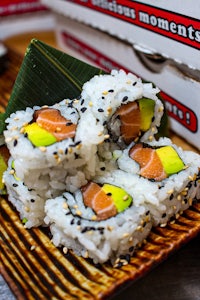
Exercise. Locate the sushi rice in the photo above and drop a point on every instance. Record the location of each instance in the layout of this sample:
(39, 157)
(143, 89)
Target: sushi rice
(45, 183)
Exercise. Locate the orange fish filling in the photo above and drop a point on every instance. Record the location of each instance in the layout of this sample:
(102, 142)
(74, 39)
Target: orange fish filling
(130, 118)
(150, 164)
(102, 203)
(51, 120)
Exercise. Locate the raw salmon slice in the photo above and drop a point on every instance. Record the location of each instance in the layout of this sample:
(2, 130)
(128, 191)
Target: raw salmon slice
(129, 115)
(99, 201)
(51, 120)
(150, 164)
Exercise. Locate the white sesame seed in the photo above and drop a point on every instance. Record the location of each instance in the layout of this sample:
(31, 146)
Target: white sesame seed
(163, 225)
(86, 254)
(125, 197)
(65, 250)
(100, 133)
(43, 149)
(125, 235)
(65, 205)
(9, 139)
(106, 136)
(150, 138)
(170, 191)
(26, 208)
(78, 212)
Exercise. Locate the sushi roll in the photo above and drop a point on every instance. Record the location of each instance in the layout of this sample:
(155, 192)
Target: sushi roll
(161, 176)
(52, 145)
(99, 222)
(52, 150)
(27, 202)
(41, 136)
(128, 109)
(92, 170)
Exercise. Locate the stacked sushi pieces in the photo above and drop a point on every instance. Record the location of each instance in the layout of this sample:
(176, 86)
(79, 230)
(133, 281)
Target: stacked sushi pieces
(92, 170)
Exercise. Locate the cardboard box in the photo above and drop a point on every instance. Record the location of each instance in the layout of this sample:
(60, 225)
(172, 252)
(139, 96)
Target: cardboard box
(180, 92)
(18, 16)
(170, 28)
(14, 7)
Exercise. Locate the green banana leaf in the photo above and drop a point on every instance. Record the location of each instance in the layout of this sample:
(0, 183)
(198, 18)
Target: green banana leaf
(46, 76)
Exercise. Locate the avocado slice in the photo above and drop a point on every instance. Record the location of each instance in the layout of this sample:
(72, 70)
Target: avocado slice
(3, 168)
(13, 168)
(39, 136)
(146, 112)
(170, 159)
(121, 199)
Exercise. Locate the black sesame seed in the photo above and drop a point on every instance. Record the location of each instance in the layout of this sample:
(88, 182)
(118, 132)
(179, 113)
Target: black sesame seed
(127, 257)
(131, 249)
(66, 151)
(109, 194)
(152, 179)
(26, 135)
(102, 97)
(122, 256)
(15, 143)
(72, 222)
(69, 123)
(76, 156)
(77, 143)
(79, 222)
(100, 110)
(144, 224)
(101, 230)
(102, 168)
(82, 101)
(134, 83)
(70, 104)
(171, 197)
(107, 140)
(15, 184)
(87, 228)
(120, 264)
(125, 98)
(104, 123)
(153, 119)
(84, 230)
(83, 109)
(73, 112)
(164, 215)
(111, 91)
(32, 200)
(55, 153)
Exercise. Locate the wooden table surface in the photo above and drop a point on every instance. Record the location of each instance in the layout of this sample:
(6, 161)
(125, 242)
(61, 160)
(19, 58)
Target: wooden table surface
(178, 278)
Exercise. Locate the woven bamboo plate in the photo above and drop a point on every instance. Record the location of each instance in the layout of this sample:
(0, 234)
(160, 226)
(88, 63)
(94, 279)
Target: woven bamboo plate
(35, 269)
